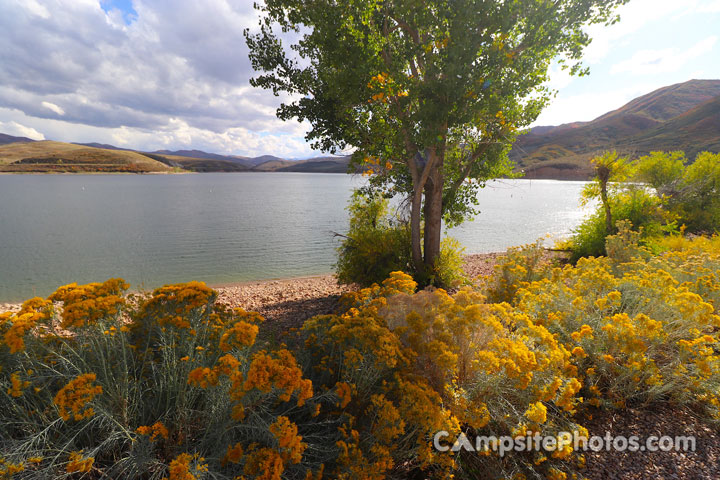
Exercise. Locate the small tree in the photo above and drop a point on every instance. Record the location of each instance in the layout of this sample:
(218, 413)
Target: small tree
(610, 171)
(431, 92)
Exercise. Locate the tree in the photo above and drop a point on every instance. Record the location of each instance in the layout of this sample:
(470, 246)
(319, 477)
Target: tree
(430, 92)
(609, 167)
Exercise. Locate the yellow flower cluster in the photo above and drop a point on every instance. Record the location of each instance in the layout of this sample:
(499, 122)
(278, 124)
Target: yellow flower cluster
(86, 304)
(171, 305)
(240, 334)
(154, 431)
(278, 369)
(344, 392)
(233, 454)
(78, 463)
(290, 443)
(265, 464)
(186, 467)
(17, 385)
(536, 413)
(16, 325)
(73, 398)
(8, 469)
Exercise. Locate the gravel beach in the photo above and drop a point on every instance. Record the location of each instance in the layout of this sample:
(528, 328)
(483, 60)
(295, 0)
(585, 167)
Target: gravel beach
(302, 297)
(288, 303)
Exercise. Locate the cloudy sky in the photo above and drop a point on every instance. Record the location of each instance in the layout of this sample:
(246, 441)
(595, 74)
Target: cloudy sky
(173, 74)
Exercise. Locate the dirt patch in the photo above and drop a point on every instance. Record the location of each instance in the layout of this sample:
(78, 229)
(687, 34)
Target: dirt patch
(655, 420)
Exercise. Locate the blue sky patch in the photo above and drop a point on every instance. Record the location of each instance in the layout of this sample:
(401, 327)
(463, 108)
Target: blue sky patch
(125, 6)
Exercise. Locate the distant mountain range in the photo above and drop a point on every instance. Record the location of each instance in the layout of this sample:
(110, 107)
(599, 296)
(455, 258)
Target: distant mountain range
(23, 155)
(685, 116)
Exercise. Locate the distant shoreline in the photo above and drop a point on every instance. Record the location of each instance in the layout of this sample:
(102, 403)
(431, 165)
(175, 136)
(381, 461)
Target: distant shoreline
(567, 179)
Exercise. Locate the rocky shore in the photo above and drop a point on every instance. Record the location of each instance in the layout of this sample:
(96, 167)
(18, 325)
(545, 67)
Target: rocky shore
(294, 300)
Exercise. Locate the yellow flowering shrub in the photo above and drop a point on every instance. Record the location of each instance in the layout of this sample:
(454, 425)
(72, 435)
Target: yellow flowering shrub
(434, 362)
(176, 384)
(640, 327)
(518, 267)
(378, 400)
(135, 379)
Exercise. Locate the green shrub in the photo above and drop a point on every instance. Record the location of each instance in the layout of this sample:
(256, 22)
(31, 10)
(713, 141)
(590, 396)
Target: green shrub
(636, 205)
(692, 193)
(376, 243)
(448, 271)
(698, 205)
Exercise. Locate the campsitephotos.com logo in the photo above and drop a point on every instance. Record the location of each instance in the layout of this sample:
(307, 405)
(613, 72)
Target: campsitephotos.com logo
(562, 442)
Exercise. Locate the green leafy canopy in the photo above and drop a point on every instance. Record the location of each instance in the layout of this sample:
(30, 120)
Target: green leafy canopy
(392, 79)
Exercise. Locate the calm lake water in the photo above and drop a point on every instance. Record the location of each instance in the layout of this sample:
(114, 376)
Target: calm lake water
(220, 228)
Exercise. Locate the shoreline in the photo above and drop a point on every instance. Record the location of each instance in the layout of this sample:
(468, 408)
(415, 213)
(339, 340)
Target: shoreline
(188, 172)
(269, 294)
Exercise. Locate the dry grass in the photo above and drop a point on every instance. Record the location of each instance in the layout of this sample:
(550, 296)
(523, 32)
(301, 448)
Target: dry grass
(59, 156)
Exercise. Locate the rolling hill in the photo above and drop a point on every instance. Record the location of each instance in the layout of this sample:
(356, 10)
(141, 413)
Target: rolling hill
(49, 156)
(20, 155)
(5, 139)
(697, 130)
(678, 117)
(319, 165)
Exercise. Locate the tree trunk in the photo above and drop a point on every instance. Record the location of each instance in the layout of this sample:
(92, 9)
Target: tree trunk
(433, 212)
(609, 228)
(603, 174)
(415, 234)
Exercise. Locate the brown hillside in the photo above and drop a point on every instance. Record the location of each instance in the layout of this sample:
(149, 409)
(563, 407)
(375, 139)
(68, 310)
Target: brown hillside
(48, 156)
(643, 124)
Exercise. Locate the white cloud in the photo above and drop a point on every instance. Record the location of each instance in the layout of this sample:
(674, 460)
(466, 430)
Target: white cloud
(53, 107)
(176, 135)
(653, 62)
(588, 106)
(710, 6)
(180, 68)
(559, 78)
(635, 15)
(17, 130)
(35, 8)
